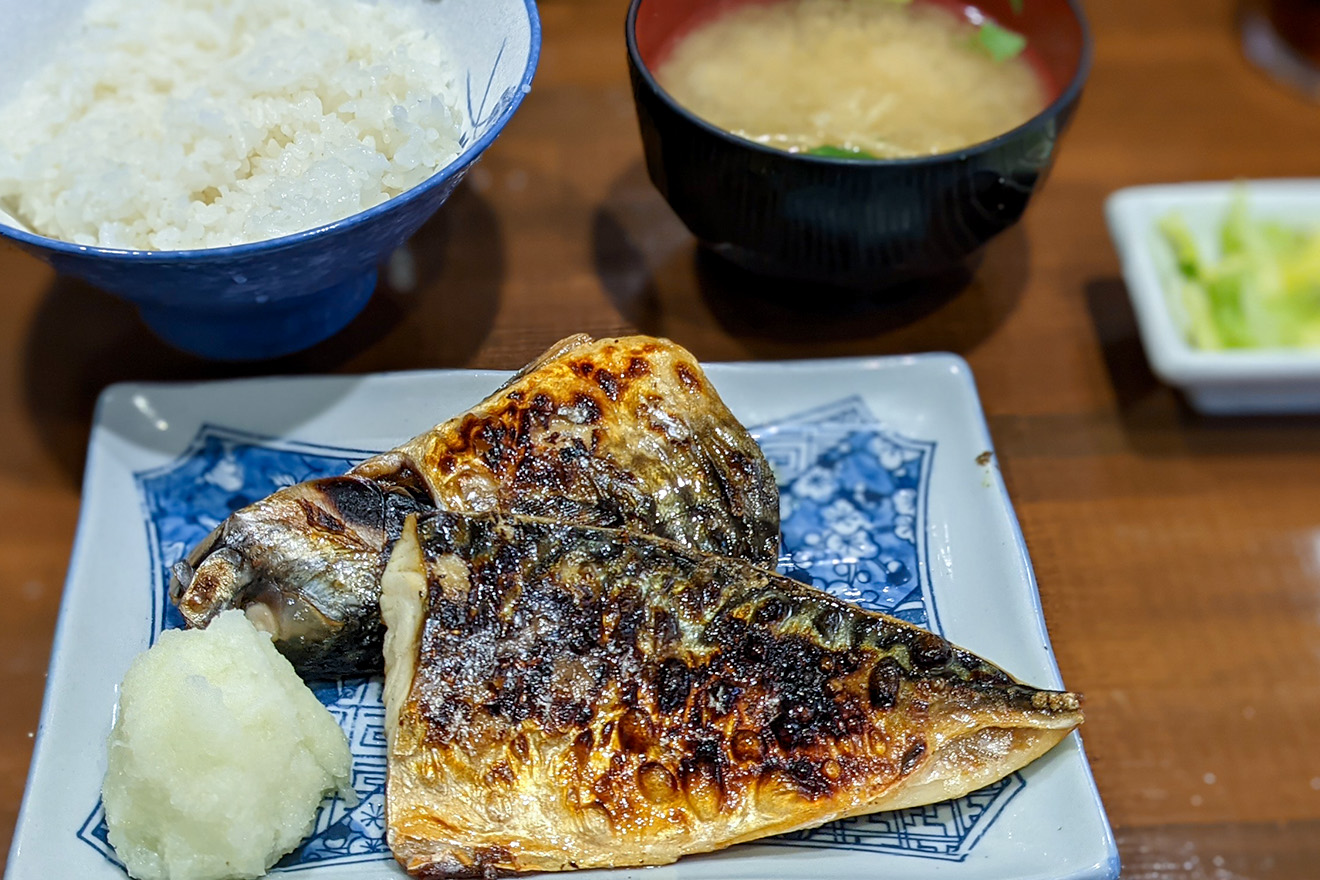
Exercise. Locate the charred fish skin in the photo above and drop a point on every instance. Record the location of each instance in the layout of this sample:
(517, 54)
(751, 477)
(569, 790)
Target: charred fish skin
(305, 564)
(618, 432)
(582, 697)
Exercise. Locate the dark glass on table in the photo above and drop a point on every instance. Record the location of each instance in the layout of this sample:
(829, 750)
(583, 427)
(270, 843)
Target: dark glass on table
(1283, 38)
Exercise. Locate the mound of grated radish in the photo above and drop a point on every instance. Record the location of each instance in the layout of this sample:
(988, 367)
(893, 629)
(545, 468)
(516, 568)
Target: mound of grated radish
(219, 758)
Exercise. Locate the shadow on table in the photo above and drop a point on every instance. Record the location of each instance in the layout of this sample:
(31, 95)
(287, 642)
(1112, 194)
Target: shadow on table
(1156, 418)
(665, 284)
(434, 304)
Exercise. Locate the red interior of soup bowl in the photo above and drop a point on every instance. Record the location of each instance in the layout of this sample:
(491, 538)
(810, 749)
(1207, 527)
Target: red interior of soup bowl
(1053, 29)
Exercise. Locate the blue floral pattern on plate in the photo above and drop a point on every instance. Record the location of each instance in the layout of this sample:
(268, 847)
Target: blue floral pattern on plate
(853, 513)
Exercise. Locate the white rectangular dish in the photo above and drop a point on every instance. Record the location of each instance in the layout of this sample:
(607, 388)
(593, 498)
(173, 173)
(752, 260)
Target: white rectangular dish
(1216, 382)
(885, 463)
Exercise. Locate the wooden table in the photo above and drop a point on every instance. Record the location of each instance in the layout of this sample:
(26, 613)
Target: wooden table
(1178, 556)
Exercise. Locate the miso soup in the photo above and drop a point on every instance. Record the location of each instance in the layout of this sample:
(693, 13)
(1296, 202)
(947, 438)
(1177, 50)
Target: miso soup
(868, 77)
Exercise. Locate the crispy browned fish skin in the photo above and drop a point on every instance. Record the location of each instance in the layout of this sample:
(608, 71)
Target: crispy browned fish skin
(616, 432)
(564, 697)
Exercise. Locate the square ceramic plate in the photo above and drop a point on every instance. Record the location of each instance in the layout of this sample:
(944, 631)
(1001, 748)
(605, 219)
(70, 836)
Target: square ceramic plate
(1217, 382)
(891, 499)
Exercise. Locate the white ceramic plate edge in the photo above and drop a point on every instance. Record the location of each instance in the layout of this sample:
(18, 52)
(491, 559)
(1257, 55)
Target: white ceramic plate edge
(947, 364)
(55, 664)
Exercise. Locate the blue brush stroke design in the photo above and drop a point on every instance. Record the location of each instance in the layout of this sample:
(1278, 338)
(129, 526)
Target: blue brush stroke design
(854, 513)
(477, 114)
(483, 114)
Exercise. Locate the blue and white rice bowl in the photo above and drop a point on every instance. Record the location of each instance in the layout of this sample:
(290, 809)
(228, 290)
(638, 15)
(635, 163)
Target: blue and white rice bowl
(283, 294)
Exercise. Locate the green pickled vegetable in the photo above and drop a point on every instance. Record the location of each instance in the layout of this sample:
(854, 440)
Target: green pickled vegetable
(831, 152)
(999, 42)
(1263, 291)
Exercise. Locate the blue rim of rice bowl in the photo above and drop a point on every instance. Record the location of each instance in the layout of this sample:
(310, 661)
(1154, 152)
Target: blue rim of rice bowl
(464, 159)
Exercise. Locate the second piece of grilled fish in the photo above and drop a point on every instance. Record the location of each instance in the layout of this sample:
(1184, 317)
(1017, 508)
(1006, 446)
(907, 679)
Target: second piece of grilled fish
(617, 432)
(566, 697)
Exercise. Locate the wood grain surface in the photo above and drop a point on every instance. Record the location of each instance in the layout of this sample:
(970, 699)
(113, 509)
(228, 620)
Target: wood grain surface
(1178, 556)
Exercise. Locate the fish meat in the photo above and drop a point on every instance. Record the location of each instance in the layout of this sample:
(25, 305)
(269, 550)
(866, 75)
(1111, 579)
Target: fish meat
(621, 433)
(561, 696)
(304, 564)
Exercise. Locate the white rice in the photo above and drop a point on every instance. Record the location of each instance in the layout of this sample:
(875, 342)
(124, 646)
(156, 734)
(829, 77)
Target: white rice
(169, 124)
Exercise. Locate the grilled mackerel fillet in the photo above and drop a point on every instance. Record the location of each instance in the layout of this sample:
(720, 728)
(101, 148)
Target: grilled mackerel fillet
(560, 697)
(618, 432)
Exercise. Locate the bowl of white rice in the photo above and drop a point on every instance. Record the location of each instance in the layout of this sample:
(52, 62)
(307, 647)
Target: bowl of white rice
(238, 168)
